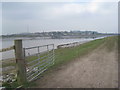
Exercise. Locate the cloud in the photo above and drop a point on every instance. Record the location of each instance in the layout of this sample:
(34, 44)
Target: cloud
(57, 0)
(91, 15)
(93, 7)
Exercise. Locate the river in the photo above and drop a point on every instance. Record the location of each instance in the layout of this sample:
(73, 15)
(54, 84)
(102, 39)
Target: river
(28, 42)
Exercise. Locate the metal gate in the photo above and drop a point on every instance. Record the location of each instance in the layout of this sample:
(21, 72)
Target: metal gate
(38, 59)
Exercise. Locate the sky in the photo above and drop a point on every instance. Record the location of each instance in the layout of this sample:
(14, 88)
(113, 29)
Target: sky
(33, 16)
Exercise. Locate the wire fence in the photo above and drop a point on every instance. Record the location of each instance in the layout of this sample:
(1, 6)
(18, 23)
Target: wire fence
(8, 71)
(7, 49)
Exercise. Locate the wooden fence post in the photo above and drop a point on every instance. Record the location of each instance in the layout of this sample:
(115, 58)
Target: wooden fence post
(20, 62)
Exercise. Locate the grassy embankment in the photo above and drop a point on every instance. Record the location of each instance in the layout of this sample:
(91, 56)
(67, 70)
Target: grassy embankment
(65, 55)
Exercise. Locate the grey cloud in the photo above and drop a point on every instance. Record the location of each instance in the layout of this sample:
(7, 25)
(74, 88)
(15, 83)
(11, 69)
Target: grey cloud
(42, 16)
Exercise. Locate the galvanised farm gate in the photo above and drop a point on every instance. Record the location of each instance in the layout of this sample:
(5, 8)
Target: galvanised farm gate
(38, 59)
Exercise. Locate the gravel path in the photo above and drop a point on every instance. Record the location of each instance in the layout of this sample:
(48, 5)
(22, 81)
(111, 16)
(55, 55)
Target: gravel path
(99, 69)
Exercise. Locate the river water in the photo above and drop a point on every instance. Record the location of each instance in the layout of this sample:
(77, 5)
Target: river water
(28, 42)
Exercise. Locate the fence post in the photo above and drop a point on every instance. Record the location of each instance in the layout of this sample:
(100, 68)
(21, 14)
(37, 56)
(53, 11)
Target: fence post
(20, 62)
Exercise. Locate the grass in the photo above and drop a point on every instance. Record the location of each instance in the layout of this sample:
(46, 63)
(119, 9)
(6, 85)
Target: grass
(111, 42)
(65, 55)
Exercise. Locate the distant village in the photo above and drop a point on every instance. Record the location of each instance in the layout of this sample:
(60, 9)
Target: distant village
(61, 34)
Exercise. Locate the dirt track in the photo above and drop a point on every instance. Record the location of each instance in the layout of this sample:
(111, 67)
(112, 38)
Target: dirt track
(99, 69)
